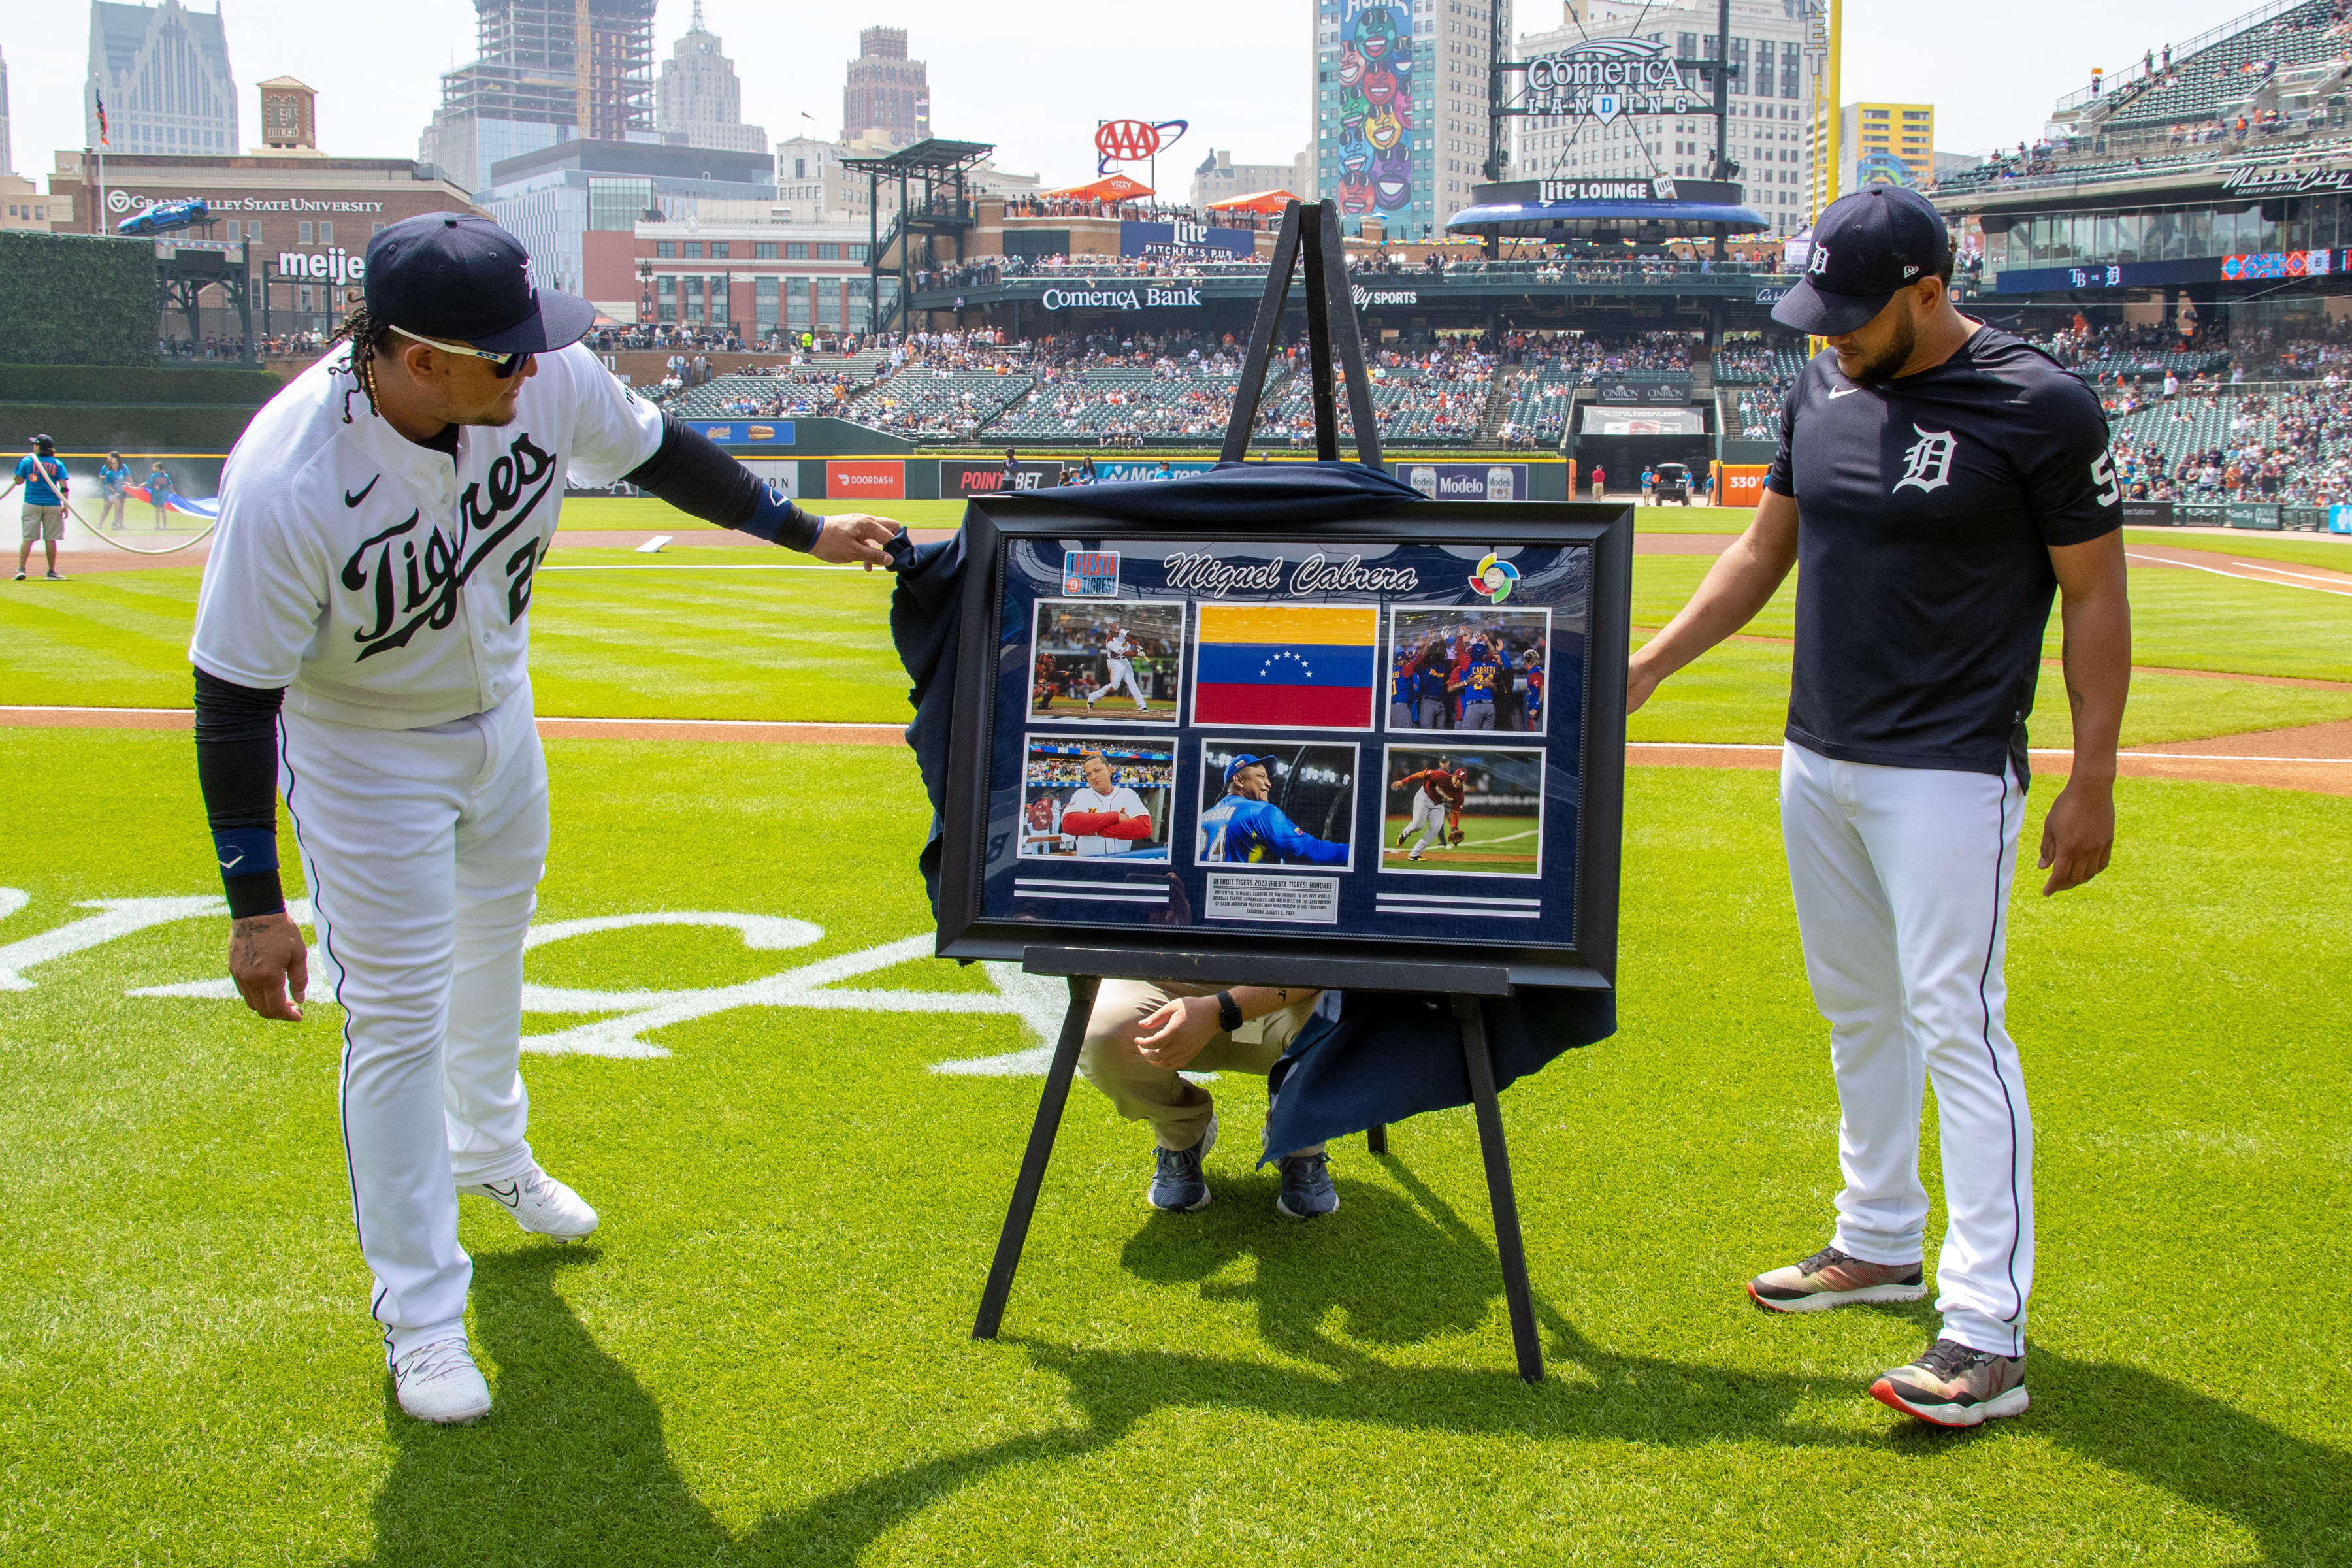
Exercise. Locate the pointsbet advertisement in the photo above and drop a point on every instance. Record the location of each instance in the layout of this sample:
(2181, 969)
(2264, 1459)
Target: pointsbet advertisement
(1387, 734)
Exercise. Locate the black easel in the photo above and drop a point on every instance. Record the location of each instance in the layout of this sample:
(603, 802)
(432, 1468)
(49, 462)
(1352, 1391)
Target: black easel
(1330, 323)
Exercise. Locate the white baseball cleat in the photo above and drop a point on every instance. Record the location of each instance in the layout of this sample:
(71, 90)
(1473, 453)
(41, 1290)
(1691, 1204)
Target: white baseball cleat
(540, 1204)
(439, 1383)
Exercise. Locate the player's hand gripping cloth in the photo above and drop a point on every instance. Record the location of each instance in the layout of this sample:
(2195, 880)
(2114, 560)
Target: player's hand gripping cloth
(1384, 1057)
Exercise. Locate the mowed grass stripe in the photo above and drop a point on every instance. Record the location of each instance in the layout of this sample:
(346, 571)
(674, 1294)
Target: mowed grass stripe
(763, 1356)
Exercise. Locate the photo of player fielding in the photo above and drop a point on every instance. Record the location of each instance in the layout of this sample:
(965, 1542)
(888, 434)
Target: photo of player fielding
(1098, 660)
(1468, 670)
(1275, 806)
(1476, 812)
(1090, 800)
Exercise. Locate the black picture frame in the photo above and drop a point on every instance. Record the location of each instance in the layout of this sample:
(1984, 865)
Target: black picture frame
(994, 523)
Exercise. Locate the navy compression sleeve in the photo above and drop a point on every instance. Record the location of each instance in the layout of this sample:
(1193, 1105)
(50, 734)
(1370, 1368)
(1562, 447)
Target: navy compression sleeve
(236, 767)
(689, 472)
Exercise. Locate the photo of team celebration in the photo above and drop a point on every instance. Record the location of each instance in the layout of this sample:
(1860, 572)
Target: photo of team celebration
(1468, 670)
(1108, 661)
(1471, 813)
(1089, 800)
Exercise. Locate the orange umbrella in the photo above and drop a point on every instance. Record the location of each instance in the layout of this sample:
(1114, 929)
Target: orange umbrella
(1115, 188)
(1257, 202)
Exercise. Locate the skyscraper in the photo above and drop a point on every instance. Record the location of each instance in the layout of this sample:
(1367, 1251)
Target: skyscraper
(164, 71)
(887, 93)
(697, 100)
(7, 162)
(544, 71)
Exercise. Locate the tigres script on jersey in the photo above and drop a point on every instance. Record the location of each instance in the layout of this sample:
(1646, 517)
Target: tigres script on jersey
(380, 583)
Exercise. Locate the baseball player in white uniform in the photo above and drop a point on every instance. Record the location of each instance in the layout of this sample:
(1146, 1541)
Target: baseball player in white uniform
(1107, 818)
(1119, 653)
(359, 643)
(1937, 482)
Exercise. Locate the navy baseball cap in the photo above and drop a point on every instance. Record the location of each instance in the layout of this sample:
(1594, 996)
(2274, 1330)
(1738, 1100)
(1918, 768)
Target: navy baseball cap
(1865, 248)
(462, 277)
(1238, 763)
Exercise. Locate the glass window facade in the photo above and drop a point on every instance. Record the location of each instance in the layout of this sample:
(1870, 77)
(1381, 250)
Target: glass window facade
(615, 206)
(2171, 233)
(764, 250)
(796, 250)
(763, 305)
(796, 304)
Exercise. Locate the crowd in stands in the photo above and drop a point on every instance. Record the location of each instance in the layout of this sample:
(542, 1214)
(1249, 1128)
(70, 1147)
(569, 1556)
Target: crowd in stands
(2291, 447)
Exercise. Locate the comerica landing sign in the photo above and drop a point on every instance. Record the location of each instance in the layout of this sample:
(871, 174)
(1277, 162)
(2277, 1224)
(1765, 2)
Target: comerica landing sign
(1604, 78)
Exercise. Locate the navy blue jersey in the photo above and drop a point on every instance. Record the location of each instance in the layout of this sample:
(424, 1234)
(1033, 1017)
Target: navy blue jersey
(1240, 831)
(1926, 508)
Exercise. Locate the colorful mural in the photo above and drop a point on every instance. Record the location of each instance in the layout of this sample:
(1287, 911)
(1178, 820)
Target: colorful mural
(1373, 108)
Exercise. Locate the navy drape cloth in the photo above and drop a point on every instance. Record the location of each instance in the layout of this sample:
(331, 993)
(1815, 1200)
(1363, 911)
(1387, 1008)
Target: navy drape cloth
(1385, 1056)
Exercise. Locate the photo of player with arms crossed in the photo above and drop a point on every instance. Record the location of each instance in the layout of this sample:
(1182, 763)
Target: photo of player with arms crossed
(1252, 803)
(1112, 659)
(1088, 802)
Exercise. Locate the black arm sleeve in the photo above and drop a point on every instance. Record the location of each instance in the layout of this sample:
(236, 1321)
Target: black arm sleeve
(689, 472)
(236, 767)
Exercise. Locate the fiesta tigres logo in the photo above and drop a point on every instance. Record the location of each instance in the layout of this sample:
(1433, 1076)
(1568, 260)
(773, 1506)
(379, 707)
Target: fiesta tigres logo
(413, 582)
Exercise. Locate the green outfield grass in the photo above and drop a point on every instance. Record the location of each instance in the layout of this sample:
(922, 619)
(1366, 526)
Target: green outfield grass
(692, 634)
(2331, 551)
(660, 517)
(763, 1356)
(1491, 846)
(1738, 692)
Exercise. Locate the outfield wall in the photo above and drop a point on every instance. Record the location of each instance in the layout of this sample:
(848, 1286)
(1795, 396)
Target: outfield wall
(1501, 476)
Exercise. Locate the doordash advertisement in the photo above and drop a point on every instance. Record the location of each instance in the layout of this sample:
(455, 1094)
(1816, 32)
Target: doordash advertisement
(865, 479)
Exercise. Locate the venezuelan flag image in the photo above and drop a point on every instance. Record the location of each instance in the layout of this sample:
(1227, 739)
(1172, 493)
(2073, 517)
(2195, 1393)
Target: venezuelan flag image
(1301, 667)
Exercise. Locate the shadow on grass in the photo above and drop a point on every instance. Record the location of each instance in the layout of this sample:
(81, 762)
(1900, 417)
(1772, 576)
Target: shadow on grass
(572, 1465)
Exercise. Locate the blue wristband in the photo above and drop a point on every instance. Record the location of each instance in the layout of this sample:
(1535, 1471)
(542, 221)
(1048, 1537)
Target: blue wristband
(245, 851)
(779, 522)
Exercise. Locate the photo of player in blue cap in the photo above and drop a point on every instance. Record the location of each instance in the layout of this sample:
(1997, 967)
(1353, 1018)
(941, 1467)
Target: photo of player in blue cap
(1249, 821)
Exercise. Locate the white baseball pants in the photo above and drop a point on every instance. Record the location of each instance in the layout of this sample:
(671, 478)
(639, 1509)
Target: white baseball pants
(1428, 819)
(422, 848)
(1122, 673)
(1902, 879)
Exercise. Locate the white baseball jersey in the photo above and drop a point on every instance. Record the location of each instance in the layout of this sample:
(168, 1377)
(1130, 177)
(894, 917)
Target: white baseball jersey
(1122, 647)
(1120, 799)
(378, 582)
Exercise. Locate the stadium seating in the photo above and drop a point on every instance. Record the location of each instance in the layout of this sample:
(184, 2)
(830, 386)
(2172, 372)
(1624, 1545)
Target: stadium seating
(2224, 73)
(919, 401)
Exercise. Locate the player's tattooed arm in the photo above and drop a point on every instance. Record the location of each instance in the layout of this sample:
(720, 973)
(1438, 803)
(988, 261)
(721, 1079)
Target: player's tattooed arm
(271, 964)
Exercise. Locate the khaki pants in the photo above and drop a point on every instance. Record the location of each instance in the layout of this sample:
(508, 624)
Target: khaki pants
(1178, 1110)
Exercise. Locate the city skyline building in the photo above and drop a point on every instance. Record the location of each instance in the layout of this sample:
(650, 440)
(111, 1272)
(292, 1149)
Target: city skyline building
(885, 91)
(577, 200)
(1889, 142)
(1218, 178)
(8, 158)
(1769, 133)
(697, 99)
(166, 72)
(544, 72)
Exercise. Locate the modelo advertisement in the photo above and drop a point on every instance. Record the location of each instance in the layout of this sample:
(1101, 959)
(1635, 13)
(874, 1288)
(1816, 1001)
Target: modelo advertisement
(865, 479)
(1466, 481)
(990, 479)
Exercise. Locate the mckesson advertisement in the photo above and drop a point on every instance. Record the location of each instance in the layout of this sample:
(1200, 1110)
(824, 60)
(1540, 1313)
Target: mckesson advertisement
(1466, 481)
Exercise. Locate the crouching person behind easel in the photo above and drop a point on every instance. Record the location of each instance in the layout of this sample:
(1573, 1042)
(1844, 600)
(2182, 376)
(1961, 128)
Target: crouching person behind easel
(1142, 1032)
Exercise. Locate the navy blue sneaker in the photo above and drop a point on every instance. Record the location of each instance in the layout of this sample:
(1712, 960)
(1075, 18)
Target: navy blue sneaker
(1177, 1185)
(1307, 1191)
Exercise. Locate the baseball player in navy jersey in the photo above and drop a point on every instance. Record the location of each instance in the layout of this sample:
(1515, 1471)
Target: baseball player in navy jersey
(359, 644)
(1118, 652)
(1937, 480)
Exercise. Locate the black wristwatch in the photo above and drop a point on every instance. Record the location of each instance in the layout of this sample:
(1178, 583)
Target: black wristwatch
(1228, 1011)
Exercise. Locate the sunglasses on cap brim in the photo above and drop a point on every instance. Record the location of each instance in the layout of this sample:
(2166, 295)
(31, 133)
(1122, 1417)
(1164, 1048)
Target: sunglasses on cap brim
(504, 364)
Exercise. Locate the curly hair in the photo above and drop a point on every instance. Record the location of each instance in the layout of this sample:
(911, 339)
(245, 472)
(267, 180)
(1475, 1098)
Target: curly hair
(369, 337)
